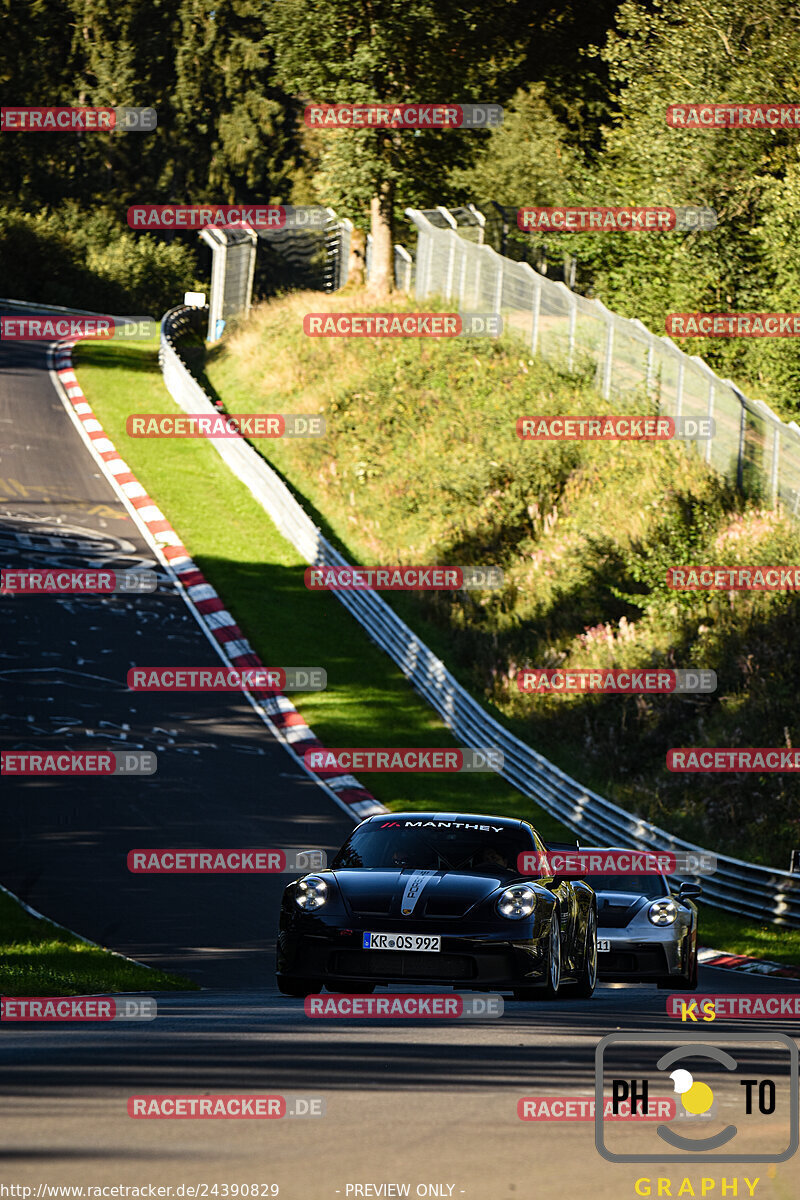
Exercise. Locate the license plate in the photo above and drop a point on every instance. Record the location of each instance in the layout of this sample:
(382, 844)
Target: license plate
(603, 945)
(403, 941)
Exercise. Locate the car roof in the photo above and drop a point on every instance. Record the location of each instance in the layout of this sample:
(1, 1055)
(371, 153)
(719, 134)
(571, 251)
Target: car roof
(467, 818)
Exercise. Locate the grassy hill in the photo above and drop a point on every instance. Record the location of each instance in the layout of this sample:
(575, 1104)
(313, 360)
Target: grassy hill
(422, 464)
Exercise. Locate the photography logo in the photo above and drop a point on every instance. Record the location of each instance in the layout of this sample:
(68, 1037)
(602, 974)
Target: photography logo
(736, 1101)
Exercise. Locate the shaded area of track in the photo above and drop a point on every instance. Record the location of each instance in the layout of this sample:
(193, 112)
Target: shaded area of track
(221, 1041)
(221, 779)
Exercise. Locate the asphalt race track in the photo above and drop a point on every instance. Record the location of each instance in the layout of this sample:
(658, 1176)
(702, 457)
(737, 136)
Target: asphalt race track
(422, 1103)
(221, 780)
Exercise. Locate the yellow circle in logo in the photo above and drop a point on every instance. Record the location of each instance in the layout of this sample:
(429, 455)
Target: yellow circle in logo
(698, 1099)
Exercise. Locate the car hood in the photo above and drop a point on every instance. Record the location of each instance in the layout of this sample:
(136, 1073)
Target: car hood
(617, 909)
(372, 892)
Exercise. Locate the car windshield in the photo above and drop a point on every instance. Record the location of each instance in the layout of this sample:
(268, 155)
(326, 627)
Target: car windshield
(488, 850)
(651, 886)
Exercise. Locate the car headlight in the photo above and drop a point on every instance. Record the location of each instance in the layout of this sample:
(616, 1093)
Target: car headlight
(663, 912)
(517, 902)
(311, 893)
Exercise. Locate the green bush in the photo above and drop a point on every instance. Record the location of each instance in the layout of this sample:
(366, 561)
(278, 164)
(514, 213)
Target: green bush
(78, 260)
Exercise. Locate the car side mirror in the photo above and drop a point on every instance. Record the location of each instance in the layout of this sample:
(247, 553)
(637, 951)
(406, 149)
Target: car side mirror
(688, 891)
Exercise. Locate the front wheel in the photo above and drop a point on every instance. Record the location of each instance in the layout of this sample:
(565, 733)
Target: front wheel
(550, 990)
(691, 974)
(585, 984)
(688, 981)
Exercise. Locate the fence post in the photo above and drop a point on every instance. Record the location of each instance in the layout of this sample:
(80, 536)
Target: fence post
(405, 258)
(537, 305)
(481, 219)
(462, 276)
(707, 453)
(451, 255)
(478, 268)
(649, 372)
(498, 287)
(740, 456)
(368, 257)
(422, 263)
(774, 422)
(609, 354)
(573, 313)
(218, 242)
(775, 464)
(251, 270)
(429, 267)
(343, 253)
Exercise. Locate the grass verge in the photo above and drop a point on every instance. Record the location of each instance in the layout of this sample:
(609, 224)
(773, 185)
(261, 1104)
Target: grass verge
(38, 958)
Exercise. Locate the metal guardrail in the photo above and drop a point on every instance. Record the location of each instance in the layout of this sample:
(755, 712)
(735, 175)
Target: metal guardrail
(764, 893)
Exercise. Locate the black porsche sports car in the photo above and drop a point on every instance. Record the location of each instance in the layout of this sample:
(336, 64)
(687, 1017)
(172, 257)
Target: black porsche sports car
(437, 898)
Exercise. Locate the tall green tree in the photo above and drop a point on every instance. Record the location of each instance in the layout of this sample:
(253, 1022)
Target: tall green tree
(684, 52)
(125, 56)
(37, 66)
(234, 135)
(392, 52)
(526, 160)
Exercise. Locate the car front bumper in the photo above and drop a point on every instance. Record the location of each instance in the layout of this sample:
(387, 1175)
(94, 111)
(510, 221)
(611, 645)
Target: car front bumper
(468, 962)
(631, 957)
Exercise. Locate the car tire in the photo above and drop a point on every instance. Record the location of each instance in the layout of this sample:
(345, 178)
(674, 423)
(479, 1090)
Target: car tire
(350, 987)
(584, 985)
(298, 987)
(682, 983)
(689, 981)
(550, 991)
